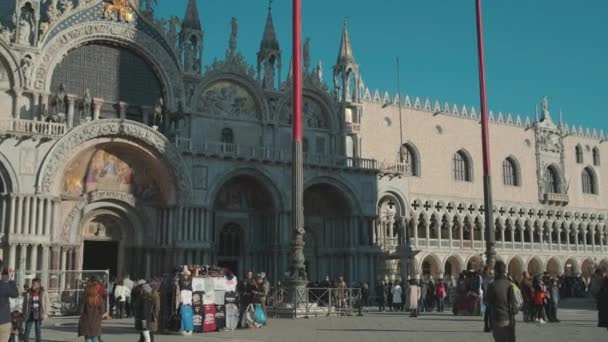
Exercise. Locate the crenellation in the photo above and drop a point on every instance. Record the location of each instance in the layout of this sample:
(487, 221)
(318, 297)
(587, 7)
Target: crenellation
(464, 112)
(455, 111)
(427, 105)
(417, 104)
(437, 107)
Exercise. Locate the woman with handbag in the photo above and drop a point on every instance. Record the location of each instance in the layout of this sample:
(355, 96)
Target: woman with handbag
(146, 312)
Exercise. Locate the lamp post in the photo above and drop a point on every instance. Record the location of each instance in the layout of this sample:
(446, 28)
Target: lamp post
(485, 140)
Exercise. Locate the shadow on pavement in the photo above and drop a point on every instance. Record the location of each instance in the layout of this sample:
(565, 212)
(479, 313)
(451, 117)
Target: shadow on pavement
(402, 330)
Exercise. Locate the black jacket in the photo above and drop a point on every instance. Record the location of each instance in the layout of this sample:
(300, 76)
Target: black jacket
(8, 289)
(500, 299)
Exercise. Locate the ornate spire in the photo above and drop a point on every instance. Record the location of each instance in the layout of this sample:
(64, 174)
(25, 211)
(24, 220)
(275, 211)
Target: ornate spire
(269, 39)
(191, 18)
(345, 54)
(545, 114)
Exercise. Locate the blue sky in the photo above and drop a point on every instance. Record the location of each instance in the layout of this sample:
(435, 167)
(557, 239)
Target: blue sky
(556, 48)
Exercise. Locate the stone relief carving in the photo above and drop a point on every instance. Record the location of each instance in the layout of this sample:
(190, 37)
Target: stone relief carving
(78, 34)
(26, 68)
(549, 141)
(118, 10)
(28, 161)
(313, 115)
(87, 104)
(26, 25)
(65, 148)
(226, 98)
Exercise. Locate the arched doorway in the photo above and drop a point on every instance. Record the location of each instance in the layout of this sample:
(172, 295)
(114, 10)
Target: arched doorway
(515, 268)
(553, 267)
(230, 246)
(104, 242)
(430, 267)
(571, 267)
(245, 226)
(475, 263)
(452, 267)
(535, 266)
(327, 216)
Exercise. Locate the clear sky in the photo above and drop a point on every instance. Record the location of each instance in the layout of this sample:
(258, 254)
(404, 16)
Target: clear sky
(557, 48)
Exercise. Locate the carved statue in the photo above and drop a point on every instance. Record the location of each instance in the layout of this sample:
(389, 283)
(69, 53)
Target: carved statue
(158, 112)
(87, 102)
(233, 36)
(66, 6)
(320, 71)
(172, 33)
(188, 56)
(52, 11)
(306, 54)
(120, 8)
(60, 100)
(26, 26)
(26, 68)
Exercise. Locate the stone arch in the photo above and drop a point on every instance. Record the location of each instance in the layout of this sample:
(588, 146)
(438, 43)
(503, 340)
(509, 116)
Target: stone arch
(588, 267)
(554, 267)
(279, 200)
(243, 81)
(512, 171)
(399, 202)
(344, 187)
(74, 36)
(515, 267)
(571, 266)
(430, 266)
(110, 130)
(9, 182)
(11, 64)
(535, 266)
(453, 266)
(468, 165)
(604, 265)
(334, 121)
(475, 263)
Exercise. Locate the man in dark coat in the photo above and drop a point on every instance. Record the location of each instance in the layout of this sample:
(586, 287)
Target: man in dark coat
(602, 305)
(8, 289)
(382, 296)
(500, 302)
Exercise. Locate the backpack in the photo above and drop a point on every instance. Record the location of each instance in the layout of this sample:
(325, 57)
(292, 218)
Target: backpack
(475, 284)
(517, 301)
(440, 290)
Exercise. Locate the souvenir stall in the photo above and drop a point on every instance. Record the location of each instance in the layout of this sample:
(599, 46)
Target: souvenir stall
(200, 299)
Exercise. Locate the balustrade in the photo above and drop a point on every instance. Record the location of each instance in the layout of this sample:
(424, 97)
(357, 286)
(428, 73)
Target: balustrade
(32, 127)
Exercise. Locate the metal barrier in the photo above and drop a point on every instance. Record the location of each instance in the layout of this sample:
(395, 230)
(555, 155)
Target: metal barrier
(313, 302)
(65, 289)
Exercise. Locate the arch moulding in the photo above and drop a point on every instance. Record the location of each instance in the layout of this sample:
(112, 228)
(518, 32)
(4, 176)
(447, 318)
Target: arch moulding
(67, 147)
(105, 31)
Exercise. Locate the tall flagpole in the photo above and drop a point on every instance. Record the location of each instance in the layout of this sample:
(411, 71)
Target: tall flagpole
(485, 139)
(297, 268)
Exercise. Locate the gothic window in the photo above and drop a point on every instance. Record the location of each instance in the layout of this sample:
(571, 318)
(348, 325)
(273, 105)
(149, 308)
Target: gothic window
(230, 241)
(596, 156)
(462, 167)
(227, 136)
(409, 155)
(510, 172)
(579, 154)
(588, 178)
(552, 180)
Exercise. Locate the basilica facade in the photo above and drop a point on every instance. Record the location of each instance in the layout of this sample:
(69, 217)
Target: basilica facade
(121, 148)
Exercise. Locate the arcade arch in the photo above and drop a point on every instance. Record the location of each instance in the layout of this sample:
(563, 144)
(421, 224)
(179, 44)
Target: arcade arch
(535, 266)
(554, 267)
(453, 267)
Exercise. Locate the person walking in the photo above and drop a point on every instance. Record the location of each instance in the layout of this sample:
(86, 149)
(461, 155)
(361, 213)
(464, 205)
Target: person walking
(396, 291)
(501, 305)
(91, 313)
(146, 311)
(440, 293)
(121, 292)
(553, 301)
(8, 289)
(414, 296)
(34, 309)
(129, 285)
(381, 295)
(488, 278)
(602, 304)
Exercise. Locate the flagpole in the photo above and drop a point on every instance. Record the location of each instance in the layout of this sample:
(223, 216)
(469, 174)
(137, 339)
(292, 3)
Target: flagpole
(485, 139)
(297, 268)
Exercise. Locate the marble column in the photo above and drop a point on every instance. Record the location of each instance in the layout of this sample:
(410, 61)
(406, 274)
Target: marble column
(63, 267)
(22, 265)
(45, 266)
(12, 256)
(71, 110)
(33, 259)
(46, 228)
(122, 109)
(97, 103)
(4, 201)
(40, 204)
(25, 229)
(13, 214)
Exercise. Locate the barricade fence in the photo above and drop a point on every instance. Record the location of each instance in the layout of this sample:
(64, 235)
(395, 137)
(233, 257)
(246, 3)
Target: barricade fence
(311, 302)
(64, 289)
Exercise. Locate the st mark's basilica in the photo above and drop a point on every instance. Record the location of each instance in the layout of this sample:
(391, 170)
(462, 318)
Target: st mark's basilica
(123, 148)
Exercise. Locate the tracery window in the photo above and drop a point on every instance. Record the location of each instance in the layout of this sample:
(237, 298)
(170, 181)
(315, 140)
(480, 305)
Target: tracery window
(579, 154)
(510, 172)
(409, 155)
(596, 156)
(552, 180)
(227, 136)
(588, 179)
(462, 167)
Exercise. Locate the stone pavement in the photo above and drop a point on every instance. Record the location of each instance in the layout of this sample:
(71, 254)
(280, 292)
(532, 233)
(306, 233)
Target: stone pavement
(578, 324)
